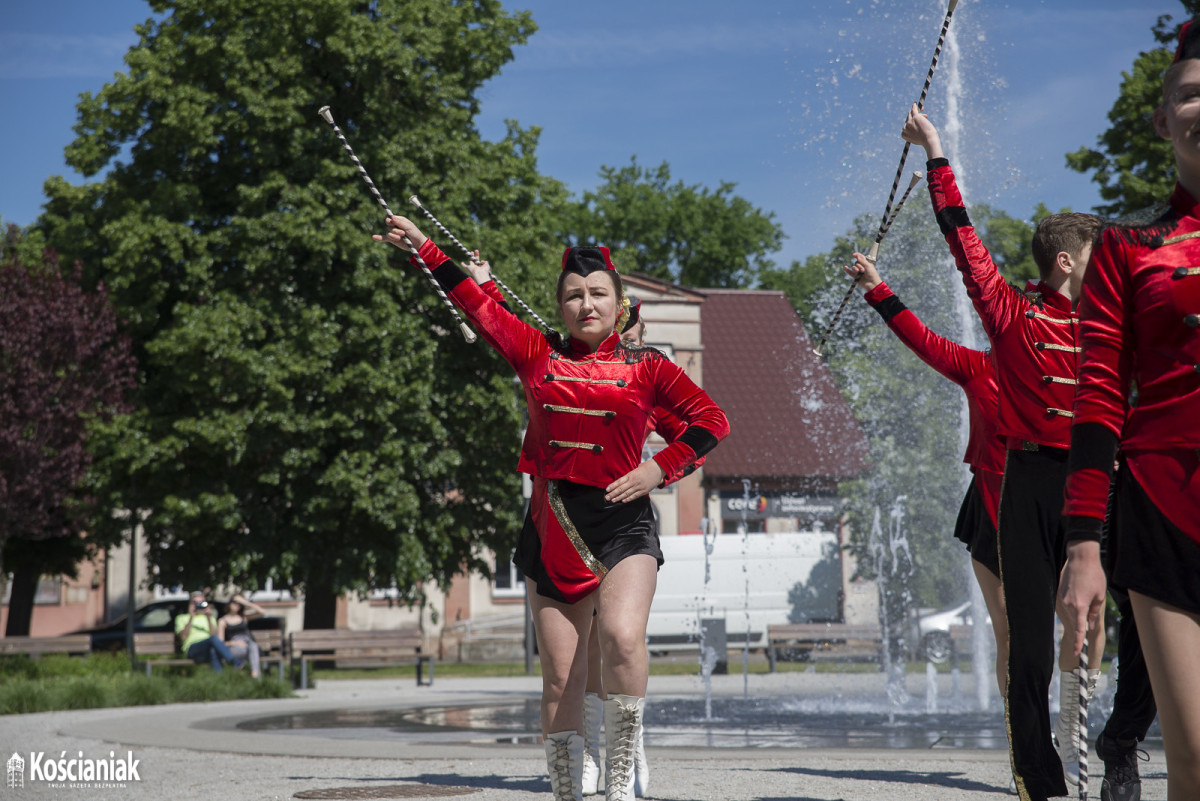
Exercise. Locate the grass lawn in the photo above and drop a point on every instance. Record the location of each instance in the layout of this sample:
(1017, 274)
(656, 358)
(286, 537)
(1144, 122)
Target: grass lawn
(56, 681)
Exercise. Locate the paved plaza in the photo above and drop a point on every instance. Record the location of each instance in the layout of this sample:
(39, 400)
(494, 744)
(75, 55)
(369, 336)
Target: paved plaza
(237, 750)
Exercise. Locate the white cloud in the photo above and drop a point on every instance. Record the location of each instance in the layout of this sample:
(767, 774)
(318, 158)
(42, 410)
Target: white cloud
(33, 55)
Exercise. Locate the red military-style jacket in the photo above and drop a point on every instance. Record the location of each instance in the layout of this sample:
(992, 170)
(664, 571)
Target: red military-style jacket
(1140, 327)
(1034, 333)
(589, 411)
(667, 425)
(970, 369)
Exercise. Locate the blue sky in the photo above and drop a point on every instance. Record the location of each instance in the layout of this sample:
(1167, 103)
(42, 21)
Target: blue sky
(798, 103)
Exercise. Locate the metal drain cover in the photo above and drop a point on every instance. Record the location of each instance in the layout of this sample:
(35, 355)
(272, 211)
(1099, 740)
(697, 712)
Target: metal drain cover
(388, 791)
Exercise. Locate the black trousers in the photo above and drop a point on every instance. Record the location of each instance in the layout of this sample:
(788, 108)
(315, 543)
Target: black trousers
(1133, 706)
(1032, 542)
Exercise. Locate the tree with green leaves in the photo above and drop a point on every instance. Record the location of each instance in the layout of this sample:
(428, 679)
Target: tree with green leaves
(687, 234)
(307, 411)
(64, 367)
(1134, 167)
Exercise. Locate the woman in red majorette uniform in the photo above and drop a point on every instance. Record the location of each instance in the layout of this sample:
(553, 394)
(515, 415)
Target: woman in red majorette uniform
(1140, 330)
(972, 370)
(590, 542)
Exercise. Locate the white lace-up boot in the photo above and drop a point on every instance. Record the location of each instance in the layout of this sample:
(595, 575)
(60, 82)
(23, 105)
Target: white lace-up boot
(1066, 725)
(622, 721)
(641, 768)
(564, 759)
(593, 733)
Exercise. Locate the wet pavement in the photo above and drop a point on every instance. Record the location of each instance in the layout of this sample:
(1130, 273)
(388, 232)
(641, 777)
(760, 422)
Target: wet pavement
(794, 736)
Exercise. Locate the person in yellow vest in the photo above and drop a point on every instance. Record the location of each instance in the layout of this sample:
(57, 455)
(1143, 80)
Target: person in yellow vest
(197, 633)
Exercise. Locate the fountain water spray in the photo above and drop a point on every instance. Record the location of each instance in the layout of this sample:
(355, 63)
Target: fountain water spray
(708, 654)
(746, 572)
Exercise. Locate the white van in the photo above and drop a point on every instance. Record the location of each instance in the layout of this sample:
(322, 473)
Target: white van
(749, 581)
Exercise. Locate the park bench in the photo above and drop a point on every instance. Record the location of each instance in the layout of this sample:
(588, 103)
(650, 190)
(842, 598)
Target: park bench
(351, 648)
(801, 639)
(960, 637)
(162, 646)
(35, 647)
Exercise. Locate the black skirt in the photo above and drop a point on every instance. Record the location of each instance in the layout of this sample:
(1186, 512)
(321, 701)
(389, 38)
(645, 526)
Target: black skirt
(572, 537)
(974, 528)
(1150, 554)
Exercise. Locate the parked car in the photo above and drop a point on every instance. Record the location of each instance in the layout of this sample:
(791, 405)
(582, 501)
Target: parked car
(933, 631)
(159, 616)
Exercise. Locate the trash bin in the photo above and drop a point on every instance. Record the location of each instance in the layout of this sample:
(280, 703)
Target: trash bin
(712, 636)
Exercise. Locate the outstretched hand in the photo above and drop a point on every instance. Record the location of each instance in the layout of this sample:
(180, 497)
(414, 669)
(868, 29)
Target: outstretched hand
(1081, 589)
(918, 130)
(398, 228)
(478, 269)
(863, 272)
(634, 484)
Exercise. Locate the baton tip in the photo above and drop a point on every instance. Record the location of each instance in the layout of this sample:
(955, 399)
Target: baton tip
(415, 201)
(817, 351)
(467, 333)
(325, 114)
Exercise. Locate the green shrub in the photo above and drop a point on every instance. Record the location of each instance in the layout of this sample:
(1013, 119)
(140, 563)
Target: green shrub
(18, 666)
(143, 691)
(99, 680)
(23, 695)
(82, 692)
(269, 687)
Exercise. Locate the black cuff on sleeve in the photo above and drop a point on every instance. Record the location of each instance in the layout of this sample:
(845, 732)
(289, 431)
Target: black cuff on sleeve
(698, 439)
(889, 307)
(933, 164)
(952, 217)
(1080, 527)
(1093, 447)
(449, 274)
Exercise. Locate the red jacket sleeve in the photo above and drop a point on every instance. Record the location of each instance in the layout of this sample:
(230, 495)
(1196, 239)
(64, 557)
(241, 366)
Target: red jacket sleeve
(954, 361)
(492, 290)
(671, 428)
(1105, 367)
(706, 424)
(996, 303)
(512, 338)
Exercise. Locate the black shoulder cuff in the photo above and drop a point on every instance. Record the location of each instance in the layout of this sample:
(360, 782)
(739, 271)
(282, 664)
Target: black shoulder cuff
(889, 307)
(952, 217)
(699, 439)
(1093, 447)
(933, 164)
(448, 274)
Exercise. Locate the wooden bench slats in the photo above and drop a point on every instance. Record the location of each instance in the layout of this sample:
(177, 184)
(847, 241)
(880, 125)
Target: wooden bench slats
(356, 648)
(35, 647)
(784, 635)
(271, 644)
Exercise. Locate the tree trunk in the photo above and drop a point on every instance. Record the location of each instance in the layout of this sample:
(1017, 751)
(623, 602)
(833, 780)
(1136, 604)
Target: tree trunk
(20, 604)
(320, 607)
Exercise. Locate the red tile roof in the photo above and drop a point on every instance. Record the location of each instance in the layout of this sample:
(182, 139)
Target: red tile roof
(788, 420)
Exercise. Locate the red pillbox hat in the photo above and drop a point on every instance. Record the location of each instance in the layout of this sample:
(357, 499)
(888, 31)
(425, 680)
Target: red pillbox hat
(1189, 41)
(586, 259)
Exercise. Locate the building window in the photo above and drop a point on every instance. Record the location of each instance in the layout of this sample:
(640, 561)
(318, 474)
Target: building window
(732, 525)
(507, 581)
(668, 350)
(48, 592)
